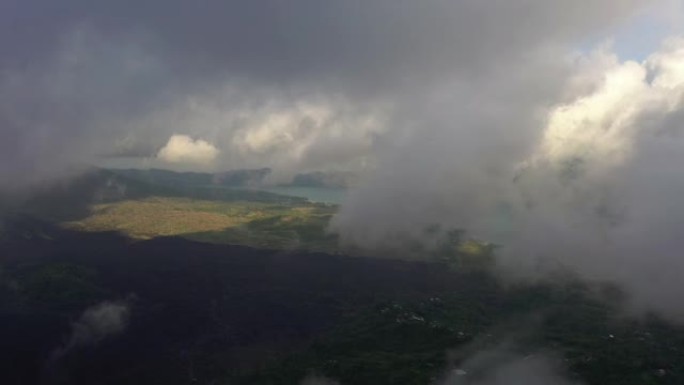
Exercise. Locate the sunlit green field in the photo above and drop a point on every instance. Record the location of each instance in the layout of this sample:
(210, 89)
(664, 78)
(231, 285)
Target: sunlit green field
(258, 224)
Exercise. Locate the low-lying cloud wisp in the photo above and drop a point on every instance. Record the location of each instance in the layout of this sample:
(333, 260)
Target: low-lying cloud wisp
(94, 325)
(501, 366)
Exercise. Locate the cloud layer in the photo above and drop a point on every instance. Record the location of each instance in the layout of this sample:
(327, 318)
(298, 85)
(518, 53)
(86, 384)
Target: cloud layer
(479, 115)
(303, 85)
(595, 191)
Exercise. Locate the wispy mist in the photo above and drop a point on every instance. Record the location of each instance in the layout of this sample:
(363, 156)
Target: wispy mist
(501, 365)
(94, 325)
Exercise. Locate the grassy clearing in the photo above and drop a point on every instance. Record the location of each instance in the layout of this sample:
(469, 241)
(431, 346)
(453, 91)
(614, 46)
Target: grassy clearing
(272, 225)
(258, 224)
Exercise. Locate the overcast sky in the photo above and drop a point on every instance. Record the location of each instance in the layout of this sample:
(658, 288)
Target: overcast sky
(552, 127)
(295, 85)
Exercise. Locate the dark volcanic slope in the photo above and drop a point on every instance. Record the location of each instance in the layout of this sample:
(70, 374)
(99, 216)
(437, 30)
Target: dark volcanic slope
(213, 314)
(198, 310)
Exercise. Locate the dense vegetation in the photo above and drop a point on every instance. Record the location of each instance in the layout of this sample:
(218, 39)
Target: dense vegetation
(226, 314)
(211, 312)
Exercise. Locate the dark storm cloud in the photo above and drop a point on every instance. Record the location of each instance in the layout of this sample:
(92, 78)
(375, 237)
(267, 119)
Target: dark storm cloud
(380, 41)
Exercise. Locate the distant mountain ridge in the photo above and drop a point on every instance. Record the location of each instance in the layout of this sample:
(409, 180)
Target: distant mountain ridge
(246, 178)
(70, 199)
(340, 179)
(236, 178)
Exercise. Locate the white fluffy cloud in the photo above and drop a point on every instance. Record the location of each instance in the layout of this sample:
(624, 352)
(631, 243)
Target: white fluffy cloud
(603, 126)
(184, 150)
(595, 187)
(305, 134)
(605, 180)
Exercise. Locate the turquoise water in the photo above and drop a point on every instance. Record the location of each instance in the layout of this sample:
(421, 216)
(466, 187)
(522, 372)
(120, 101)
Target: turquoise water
(314, 194)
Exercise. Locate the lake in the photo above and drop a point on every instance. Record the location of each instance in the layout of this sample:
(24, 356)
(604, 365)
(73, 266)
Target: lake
(314, 194)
